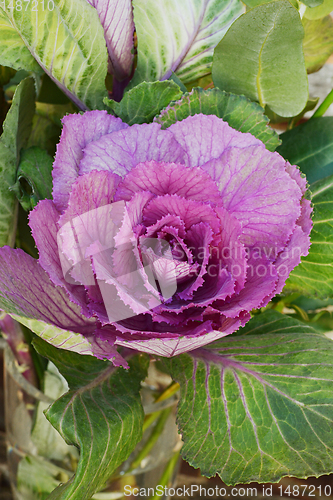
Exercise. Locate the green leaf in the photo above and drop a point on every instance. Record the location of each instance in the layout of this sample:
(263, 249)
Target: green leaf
(318, 12)
(102, 415)
(318, 42)
(34, 177)
(314, 275)
(312, 3)
(14, 52)
(180, 84)
(16, 130)
(310, 146)
(258, 406)
(266, 42)
(143, 102)
(274, 118)
(241, 113)
(253, 3)
(179, 37)
(68, 43)
(63, 339)
(46, 125)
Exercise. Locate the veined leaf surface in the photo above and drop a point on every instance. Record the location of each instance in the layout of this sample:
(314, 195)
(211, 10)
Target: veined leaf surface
(261, 56)
(14, 52)
(67, 41)
(16, 131)
(143, 102)
(258, 406)
(241, 113)
(314, 275)
(101, 414)
(179, 36)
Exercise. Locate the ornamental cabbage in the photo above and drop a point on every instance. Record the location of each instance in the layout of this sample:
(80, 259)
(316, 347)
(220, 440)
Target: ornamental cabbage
(158, 240)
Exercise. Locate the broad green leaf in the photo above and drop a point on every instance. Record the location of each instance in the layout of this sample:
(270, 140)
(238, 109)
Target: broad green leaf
(34, 177)
(16, 130)
(102, 415)
(143, 102)
(318, 12)
(179, 37)
(63, 339)
(274, 118)
(310, 146)
(253, 3)
(241, 113)
(67, 40)
(312, 3)
(14, 52)
(258, 406)
(318, 42)
(266, 42)
(314, 275)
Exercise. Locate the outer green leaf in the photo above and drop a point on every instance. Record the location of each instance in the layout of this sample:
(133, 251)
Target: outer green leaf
(179, 36)
(16, 130)
(266, 42)
(143, 102)
(274, 118)
(46, 125)
(318, 42)
(314, 275)
(258, 407)
(241, 113)
(68, 43)
(63, 339)
(34, 177)
(312, 3)
(253, 3)
(14, 52)
(318, 12)
(102, 415)
(310, 146)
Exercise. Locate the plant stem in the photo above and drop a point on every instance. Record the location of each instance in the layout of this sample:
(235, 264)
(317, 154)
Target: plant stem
(324, 106)
(167, 473)
(152, 438)
(168, 392)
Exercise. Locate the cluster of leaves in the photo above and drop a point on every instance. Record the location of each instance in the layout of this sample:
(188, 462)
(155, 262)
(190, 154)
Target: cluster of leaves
(256, 405)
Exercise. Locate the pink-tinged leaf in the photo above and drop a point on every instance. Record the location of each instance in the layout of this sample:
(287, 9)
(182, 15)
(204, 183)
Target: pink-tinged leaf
(162, 178)
(204, 137)
(116, 17)
(198, 337)
(26, 290)
(191, 212)
(120, 151)
(78, 131)
(43, 221)
(259, 288)
(258, 191)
